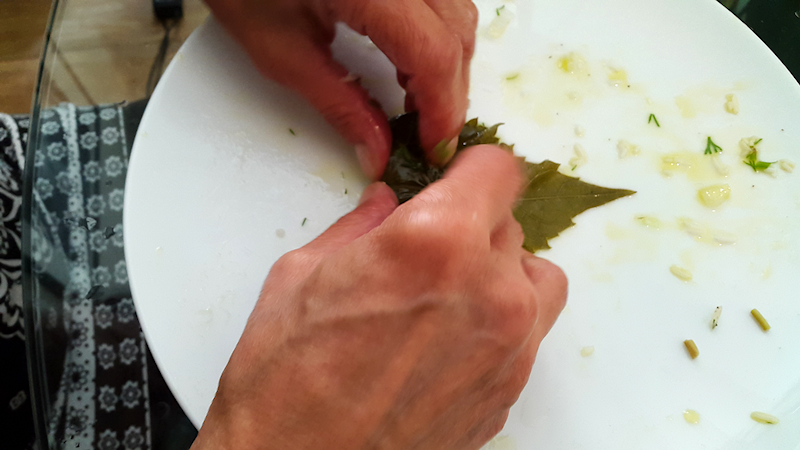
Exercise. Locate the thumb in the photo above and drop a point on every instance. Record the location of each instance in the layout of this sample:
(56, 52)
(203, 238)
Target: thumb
(377, 202)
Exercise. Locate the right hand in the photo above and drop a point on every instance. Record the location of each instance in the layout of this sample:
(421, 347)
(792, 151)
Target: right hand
(430, 42)
(400, 327)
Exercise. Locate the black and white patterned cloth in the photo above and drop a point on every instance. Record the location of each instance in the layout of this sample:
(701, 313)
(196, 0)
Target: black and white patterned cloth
(16, 429)
(97, 363)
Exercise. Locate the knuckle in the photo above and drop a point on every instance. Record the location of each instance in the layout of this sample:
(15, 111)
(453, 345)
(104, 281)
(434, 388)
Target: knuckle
(520, 313)
(431, 243)
(471, 14)
(498, 423)
(495, 424)
(290, 263)
(513, 311)
(556, 281)
(446, 56)
(342, 116)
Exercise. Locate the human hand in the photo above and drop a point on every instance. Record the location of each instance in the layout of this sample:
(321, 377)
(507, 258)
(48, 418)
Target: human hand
(410, 327)
(430, 42)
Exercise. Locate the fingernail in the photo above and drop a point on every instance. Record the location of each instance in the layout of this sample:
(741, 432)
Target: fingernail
(368, 162)
(372, 191)
(444, 151)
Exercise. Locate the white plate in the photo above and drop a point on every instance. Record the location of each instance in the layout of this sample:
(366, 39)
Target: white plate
(215, 176)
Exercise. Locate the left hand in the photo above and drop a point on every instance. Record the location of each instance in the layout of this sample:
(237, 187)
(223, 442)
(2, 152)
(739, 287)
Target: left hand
(430, 42)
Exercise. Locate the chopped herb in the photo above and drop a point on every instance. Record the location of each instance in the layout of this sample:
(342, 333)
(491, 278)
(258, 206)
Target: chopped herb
(752, 160)
(513, 76)
(653, 119)
(292, 131)
(711, 147)
(497, 11)
(345, 191)
(304, 221)
(691, 347)
(760, 319)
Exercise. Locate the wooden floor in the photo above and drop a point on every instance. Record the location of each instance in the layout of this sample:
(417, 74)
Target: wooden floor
(105, 49)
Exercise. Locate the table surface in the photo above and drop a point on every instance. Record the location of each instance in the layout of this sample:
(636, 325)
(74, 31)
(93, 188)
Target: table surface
(94, 383)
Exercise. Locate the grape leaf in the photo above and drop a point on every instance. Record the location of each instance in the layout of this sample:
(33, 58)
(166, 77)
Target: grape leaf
(407, 172)
(549, 201)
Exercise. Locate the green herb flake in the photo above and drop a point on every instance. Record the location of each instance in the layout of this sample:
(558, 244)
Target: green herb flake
(652, 118)
(345, 191)
(497, 11)
(304, 221)
(752, 160)
(711, 147)
(292, 131)
(512, 76)
(549, 200)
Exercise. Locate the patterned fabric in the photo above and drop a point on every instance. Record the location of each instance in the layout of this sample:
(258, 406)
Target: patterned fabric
(16, 431)
(13, 135)
(102, 400)
(99, 391)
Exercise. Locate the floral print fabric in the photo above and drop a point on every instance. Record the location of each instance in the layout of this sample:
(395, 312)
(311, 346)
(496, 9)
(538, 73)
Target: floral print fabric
(89, 331)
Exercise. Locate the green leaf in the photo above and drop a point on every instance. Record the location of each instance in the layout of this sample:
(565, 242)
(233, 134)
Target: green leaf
(549, 201)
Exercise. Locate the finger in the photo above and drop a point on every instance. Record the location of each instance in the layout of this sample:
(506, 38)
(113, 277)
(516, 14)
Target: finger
(461, 18)
(483, 181)
(420, 45)
(550, 287)
(301, 60)
(377, 202)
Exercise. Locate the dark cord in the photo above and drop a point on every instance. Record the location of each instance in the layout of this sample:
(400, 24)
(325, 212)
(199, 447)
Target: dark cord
(158, 64)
